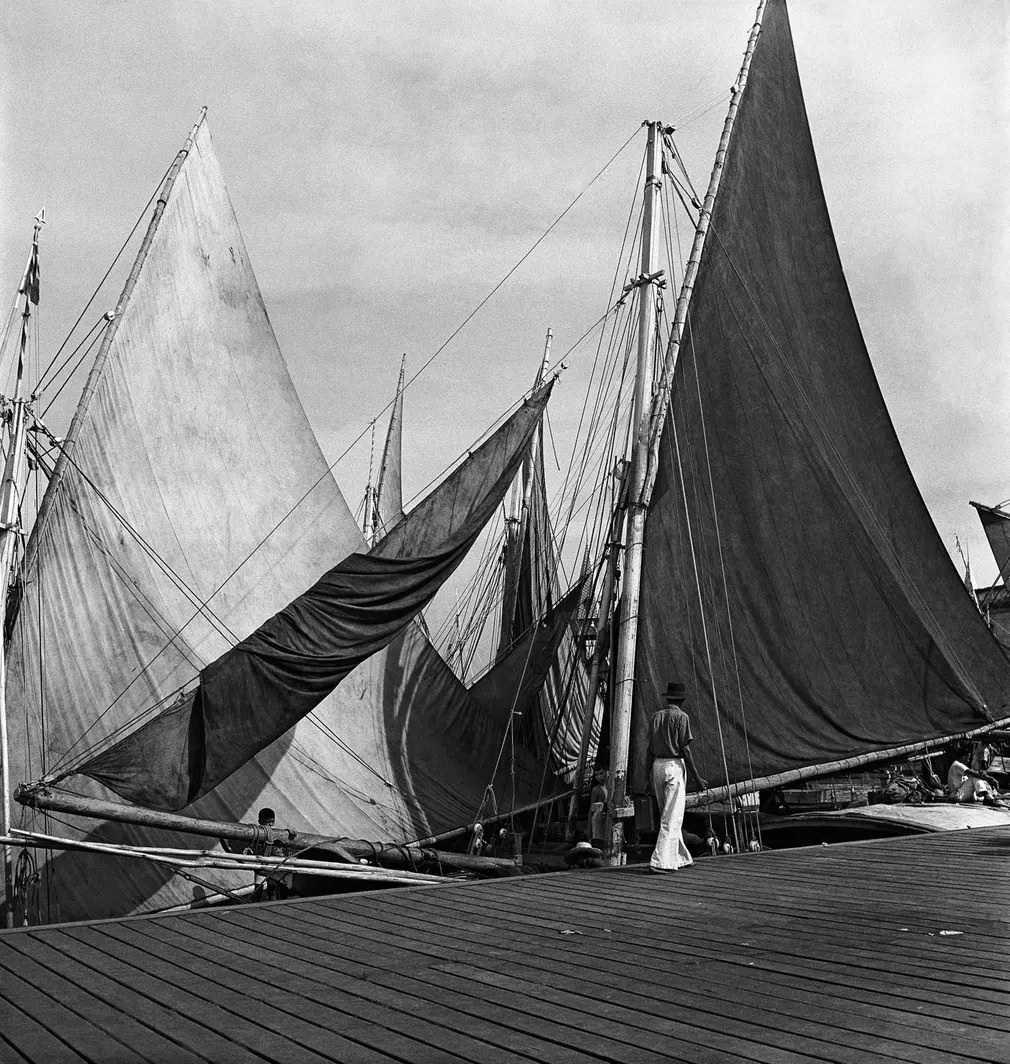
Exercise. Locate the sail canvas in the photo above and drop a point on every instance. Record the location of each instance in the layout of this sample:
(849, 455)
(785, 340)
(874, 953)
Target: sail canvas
(195, 478)
(793, 578)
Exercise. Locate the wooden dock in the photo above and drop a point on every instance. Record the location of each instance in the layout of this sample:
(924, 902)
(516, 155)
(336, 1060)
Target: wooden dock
(889, 950)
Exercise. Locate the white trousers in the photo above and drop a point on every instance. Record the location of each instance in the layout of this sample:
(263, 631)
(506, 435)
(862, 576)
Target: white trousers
(669, 782)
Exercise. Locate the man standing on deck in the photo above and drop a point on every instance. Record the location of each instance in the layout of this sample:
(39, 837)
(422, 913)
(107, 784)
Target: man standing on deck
(670, 753)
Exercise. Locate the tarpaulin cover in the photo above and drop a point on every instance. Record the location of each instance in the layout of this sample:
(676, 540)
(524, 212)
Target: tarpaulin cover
(996, 523)
(194, 433)
(831, 621)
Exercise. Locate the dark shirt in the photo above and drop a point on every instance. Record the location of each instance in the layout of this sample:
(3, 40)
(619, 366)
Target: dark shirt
(669, 732)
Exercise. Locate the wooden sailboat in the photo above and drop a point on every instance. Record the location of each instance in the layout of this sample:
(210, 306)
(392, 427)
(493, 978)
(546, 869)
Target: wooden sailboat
(189, 502)
(770, 547)
(795, 580)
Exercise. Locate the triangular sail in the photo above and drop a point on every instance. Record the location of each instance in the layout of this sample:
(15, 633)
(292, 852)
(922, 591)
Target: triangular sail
(996, 522)
(388, 488)
(793, 577)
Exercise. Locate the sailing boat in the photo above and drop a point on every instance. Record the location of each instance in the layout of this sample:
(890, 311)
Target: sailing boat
(795, 579)
(774, 551)
(188, 503)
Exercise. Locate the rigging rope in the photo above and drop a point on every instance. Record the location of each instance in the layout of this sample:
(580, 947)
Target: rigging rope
(105, 276)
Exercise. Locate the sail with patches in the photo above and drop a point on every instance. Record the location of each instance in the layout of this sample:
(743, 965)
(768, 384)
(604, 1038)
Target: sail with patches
(794, 579)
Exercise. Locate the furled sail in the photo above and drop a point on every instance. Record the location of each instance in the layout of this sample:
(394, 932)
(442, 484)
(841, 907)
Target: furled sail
(193, 433)
(792, 575)
(531, 591)
(996, 522)
(260, 688)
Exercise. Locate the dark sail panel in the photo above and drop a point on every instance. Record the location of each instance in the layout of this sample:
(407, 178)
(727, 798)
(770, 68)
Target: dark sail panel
(260, 688)
(534, 669)
(996, 523)
(830, 620)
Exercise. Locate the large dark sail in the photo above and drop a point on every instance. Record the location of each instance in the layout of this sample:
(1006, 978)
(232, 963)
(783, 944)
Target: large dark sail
(793, 577)
(257, 690)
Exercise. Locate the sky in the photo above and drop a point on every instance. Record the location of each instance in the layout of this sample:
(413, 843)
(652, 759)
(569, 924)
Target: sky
(390, 163)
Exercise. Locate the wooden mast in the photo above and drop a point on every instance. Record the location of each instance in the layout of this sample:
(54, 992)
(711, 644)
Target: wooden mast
(645, 464)
(624, 678)
(368, 518)
(9, 532)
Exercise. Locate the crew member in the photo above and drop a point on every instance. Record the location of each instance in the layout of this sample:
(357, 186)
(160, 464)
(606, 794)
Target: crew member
(670, 751)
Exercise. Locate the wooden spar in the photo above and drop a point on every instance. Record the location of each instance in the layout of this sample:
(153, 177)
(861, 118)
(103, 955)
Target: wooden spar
(847, 764)
(624, 673)
(110, 332)
(388, 854)
(235, 862)
(9, 531)
(661, 400)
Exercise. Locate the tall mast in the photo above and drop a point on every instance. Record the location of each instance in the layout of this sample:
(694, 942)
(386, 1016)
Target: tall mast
(9, 531)
(624, 679)
(645, 459)
(368, 519)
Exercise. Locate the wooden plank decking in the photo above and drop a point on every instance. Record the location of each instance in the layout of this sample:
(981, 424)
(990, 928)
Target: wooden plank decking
(827, 954)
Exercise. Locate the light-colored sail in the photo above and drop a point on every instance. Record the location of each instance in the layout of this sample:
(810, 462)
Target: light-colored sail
(996, 522)
(389, 487)
(195, 437)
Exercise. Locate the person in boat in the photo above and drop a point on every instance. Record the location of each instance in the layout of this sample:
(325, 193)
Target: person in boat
(670, 754)
(274, 885)
(967, 784)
